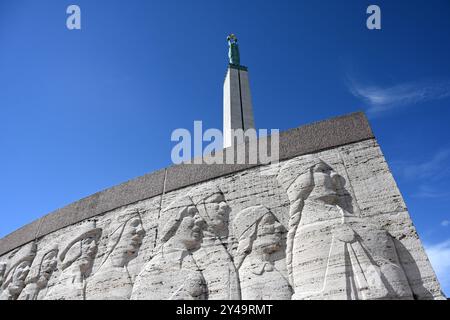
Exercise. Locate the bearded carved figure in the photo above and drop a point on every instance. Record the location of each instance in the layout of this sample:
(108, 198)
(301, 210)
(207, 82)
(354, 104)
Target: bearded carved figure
(112, 280)
(16, 271)
(260, 237)
(40, 274)
(173, 273)
(213, 257)
(332, 253)
(76, 261)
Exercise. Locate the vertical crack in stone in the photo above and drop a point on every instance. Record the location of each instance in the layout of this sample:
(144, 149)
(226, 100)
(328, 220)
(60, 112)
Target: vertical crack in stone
(160, 206)
(41, 220)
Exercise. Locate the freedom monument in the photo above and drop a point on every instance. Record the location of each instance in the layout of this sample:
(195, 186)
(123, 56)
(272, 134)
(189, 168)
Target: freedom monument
(325, 222)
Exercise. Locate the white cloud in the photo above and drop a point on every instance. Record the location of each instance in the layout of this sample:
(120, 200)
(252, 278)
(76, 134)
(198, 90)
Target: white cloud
(429, 192)
(439, 255)
(382, 99)
(433, 168)
(445, 223)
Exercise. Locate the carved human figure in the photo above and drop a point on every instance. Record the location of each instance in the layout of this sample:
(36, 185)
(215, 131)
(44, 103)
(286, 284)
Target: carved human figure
(331, 252)
(213, 256)
(173, 273)
(112, 280)
(2, 273)
(16, 272)
(76, 261)
(260, 236)
(39, 276)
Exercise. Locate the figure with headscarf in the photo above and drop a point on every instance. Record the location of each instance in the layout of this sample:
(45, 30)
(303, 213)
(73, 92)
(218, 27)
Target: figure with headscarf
(76, 261)
(260, 237)
(41, 271)
(172, 273)
(112, 280)
(16, 272)
(213, 256)
(332, 253)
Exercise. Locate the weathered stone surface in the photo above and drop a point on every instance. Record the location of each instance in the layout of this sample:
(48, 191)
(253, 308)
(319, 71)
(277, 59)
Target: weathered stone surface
(20, 237)
(15, 271)
(260, 237)
(330, 224)
(324, 135)
(132, 191)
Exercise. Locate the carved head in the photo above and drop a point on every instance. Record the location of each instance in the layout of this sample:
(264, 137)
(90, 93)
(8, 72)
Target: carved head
(327, 183)
(318, 182)
(126, 239)
(18, 269)
(82, 250)
(48, 265)
(189, 231)
(269, 234)
(43, 266)
(257, 229)
(18, 277)
(183, 230)
(213, 208)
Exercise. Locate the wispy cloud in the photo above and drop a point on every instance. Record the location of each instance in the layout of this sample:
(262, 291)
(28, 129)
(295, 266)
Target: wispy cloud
(381, 99)
(445, 223)
(435, 168)
(439, 255)
(429, 192)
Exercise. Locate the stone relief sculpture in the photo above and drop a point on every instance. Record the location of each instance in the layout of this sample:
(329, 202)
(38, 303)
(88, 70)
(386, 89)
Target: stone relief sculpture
(16, 272)
(40, 273)
(173, 273)
(76, 261)
(213, 257)
(260, 236)
(331, 252)
(2, 273)
(112, 280)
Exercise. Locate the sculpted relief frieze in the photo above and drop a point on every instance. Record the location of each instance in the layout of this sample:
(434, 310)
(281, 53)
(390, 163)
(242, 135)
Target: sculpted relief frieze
(296, 233)
(332, 253)
(112, 279)
(75, 261)
(16, 271)
(172, 273)
(260, 235)
(41, 271)
(2, 272)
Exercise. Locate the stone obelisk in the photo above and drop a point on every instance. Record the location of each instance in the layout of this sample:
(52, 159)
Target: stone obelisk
(237, 101)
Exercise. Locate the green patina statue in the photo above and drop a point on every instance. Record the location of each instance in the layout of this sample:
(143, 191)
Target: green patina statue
(233, 53)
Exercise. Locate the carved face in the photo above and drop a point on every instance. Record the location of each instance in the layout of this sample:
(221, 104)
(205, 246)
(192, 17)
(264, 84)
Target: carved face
(189, 232)
(88, 253)
(131, 240)
(217, 211)
(19, 276)
(269, 234)
(325, 183)
(48, 265)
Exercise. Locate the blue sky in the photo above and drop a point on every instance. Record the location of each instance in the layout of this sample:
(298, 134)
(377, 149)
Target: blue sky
(81, 111)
